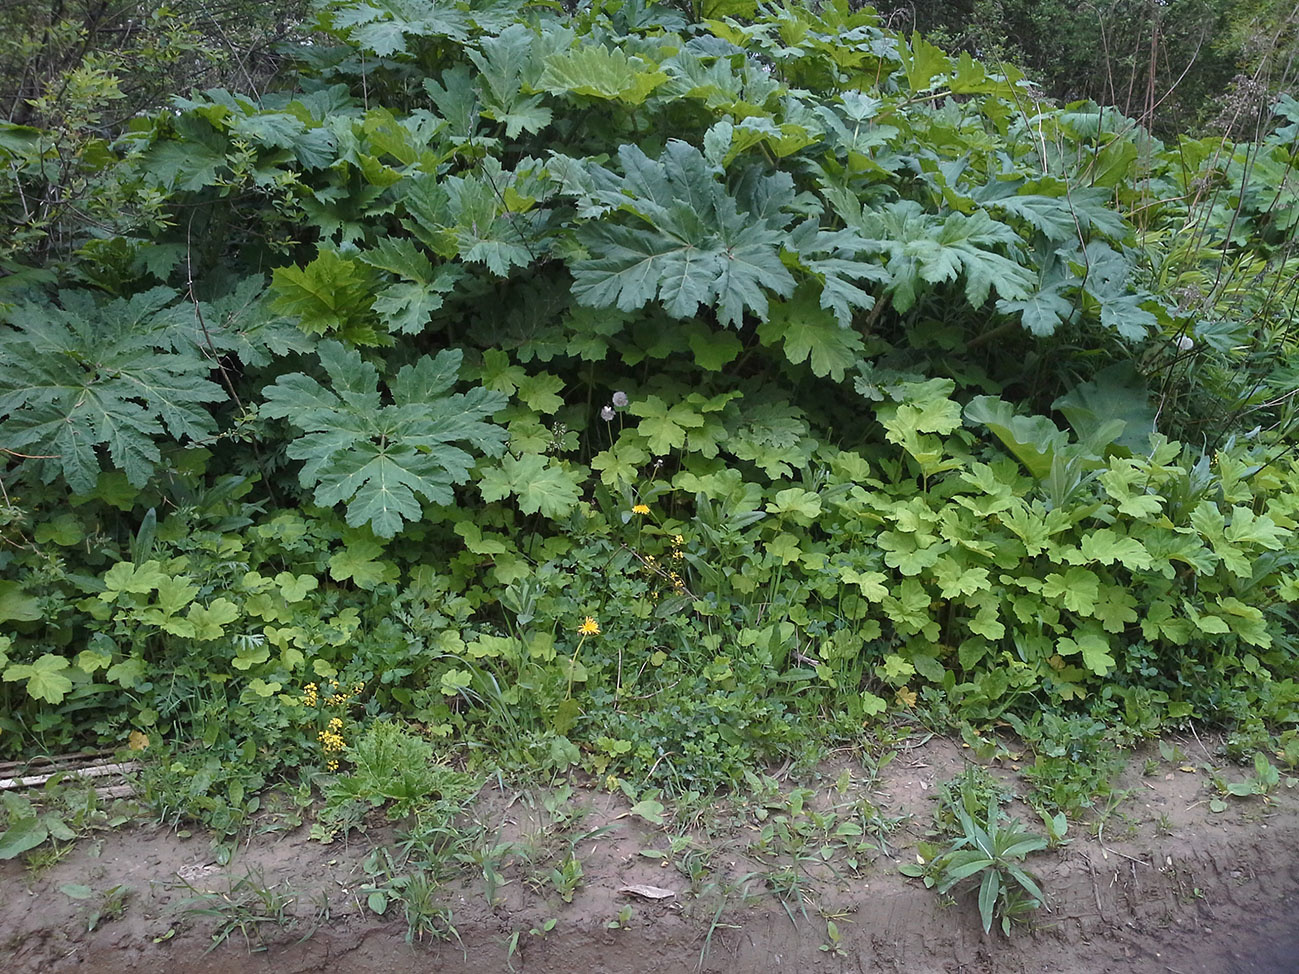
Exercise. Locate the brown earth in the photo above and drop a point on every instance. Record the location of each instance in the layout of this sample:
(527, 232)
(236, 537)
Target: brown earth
(1160, 885)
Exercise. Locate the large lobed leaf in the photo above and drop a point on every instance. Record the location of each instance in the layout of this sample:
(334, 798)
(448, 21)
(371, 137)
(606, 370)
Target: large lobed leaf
(380, 457)
(83, 376)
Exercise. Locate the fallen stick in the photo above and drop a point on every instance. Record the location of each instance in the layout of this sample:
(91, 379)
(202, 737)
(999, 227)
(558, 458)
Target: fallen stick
(100, 770)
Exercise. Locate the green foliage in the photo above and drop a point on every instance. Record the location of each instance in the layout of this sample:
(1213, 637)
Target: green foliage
(381, 457)
(116, 375)
(808, 381)
(991, 850)
(392, 767)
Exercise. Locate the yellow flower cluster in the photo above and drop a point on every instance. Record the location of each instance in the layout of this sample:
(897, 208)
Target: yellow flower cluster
(589, 627)
(340, 697)
(678, 547)
(331, 740)
(678, 584)
(337, 697)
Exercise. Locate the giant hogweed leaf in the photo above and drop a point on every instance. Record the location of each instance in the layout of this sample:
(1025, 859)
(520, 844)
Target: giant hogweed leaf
(407, 306)
(598, 72)
(831, 257)
(381, 457)
(811, 334)
(1108, 274)
(241, 321)
(691, 243)
(507, 63)
(1042, 311)
(470, 217)
(381, 26)
(925, 248)
(332, 294)
(922, 62)
(1061, 213)
(75, 378)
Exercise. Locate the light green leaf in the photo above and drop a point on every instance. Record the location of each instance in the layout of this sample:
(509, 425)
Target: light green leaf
(1095, 650)
(209, 622)
(541, 484)
(599, 72)
(16, 605)
(358, 562)
(45, 679)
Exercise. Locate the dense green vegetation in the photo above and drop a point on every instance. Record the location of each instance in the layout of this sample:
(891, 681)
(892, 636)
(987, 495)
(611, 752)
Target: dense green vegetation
(648, 390)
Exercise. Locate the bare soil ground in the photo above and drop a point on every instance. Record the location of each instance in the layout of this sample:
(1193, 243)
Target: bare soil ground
(1160, 885)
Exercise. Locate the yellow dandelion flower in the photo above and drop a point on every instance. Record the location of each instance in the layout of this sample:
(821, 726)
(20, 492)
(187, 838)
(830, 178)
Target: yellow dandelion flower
(589, 627)
(640, 509)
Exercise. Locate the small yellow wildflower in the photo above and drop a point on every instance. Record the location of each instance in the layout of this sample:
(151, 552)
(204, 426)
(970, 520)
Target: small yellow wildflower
(331, 738)
(640, 509)
(678, 540)
(589, 627)
(137, 741)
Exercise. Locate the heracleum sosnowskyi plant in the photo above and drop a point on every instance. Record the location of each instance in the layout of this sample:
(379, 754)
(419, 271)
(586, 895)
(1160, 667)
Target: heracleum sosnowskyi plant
(949, 394)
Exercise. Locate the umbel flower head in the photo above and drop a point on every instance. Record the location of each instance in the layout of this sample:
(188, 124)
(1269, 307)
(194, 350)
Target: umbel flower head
(589, 627)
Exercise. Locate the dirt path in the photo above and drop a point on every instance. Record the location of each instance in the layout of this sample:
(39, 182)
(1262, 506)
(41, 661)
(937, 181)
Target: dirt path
(1169, 887)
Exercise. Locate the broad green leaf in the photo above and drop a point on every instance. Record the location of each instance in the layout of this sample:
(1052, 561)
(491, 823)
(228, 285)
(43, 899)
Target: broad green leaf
(803, 506)
(1077, 589)
(295, 588)
(1034, 440)
(598, 72)
(332, 294)
(664, 427)
(382, 457)
(45, 679)
(120, 375)
(541, 484)
(23, 835)
(210, 621)
(359, 563)
(1095, 650)
(811, 334)
(16, 605)
(870, 584)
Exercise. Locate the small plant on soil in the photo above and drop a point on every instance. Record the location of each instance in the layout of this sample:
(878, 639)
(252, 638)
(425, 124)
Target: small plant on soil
(1261, 783)
(249, 906)
(991, 851)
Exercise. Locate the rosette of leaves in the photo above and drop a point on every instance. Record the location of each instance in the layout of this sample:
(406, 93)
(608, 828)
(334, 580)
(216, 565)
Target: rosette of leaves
(381, 454)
